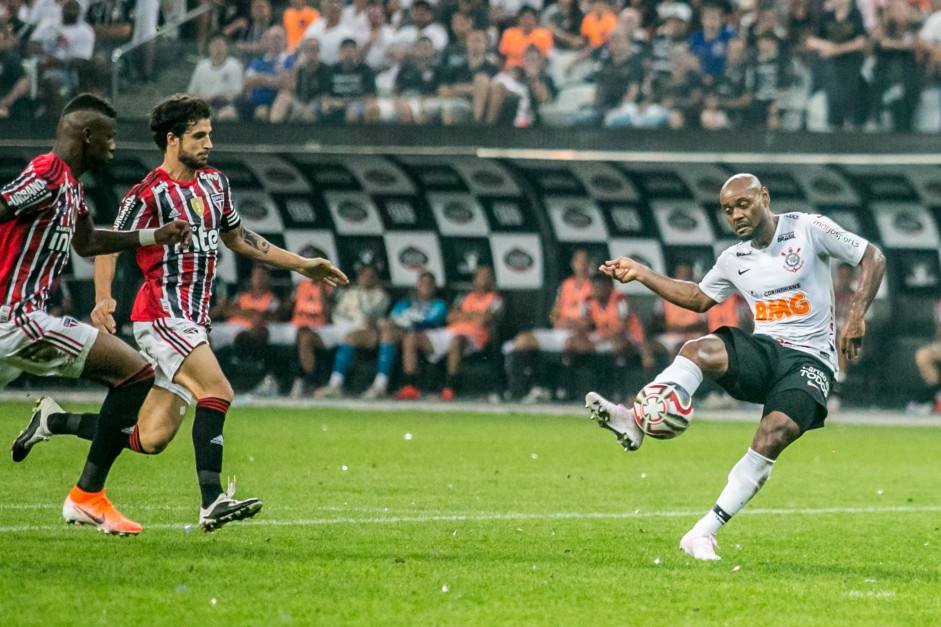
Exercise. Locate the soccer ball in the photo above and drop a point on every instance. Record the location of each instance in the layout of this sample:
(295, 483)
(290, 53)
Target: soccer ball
(663, 410)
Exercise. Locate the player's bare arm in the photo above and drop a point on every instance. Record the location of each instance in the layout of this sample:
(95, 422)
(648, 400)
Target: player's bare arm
(872, 267)
(89, 241)
(102, 316)
(686, 294)
(252, 245)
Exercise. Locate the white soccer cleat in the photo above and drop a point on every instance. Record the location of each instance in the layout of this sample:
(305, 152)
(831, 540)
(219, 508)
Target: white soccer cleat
(37, 430)
(373, 393)
(615, 418)
(700, 545)
(226, 509)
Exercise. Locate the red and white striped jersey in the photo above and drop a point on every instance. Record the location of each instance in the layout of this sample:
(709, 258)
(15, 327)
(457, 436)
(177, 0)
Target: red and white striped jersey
(47, 202)
(178, 282)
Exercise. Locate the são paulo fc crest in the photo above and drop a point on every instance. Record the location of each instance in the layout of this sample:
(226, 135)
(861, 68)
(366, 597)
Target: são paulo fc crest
(792, 260)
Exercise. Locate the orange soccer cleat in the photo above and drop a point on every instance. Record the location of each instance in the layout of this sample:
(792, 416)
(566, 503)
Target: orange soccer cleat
(447, 394)
(407, 393)
(94, 508)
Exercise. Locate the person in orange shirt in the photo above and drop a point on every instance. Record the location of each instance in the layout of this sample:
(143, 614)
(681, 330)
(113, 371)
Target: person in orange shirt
(679, 324)
(598, 23)
(524, 360)
(297, 17)
(312, 308)
(471, 321)
(515, 40)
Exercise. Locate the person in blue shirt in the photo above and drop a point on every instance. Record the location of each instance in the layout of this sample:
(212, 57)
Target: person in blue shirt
(417, 313)
(709, 45)
(268, 76)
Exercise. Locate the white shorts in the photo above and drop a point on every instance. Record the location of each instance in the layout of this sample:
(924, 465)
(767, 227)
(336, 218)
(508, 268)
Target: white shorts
(165, 343)
(332, 335)
(440, 340)
(549, 340)
(44, 345)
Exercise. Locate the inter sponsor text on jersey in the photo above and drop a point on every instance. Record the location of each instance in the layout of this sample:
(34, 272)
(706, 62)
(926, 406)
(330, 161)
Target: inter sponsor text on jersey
(47, 202)
(178, 282)
(788, 285)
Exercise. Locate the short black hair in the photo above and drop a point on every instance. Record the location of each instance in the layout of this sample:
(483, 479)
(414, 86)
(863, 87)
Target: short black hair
(90, 102)
(349, 41)
(176, 114)
(422, 4)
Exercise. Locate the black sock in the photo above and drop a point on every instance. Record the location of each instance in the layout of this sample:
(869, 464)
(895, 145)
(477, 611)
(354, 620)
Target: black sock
(410, 379)
(119, 411)
(81, 425)
(207, 441)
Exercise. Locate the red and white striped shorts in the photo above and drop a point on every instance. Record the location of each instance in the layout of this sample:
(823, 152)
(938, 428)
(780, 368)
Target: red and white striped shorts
(165, 343)
(44, 345)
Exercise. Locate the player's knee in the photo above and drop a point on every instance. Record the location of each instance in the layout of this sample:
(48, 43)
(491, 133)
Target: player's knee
(707, 352)
(525, 342)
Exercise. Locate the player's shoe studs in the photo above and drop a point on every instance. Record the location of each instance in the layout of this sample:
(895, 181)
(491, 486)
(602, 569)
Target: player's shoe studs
(700, 545)
(226, 509)
(615, 418)
(94, 508)
(37, 430)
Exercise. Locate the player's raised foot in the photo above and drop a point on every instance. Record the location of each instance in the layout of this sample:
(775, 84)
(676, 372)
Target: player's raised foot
(94, 508)
(407, 393)
(226, 509)
(37, 430)
(700, 545)
(615, 418)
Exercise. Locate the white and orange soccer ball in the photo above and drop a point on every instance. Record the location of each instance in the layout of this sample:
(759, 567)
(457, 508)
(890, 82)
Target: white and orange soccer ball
(663, 410)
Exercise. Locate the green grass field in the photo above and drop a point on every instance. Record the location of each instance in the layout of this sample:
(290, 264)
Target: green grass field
(480, 519)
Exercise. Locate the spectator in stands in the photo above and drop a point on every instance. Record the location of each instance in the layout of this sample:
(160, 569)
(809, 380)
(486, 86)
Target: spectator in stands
(297, 18)
(515, 94)
(839, 44)
(219, 15)
(358, 310)
(673, 100)
(218, 79)
(526, 370)
(352, 89)
(471, 322)
(730, 100)
(709, 44)
(65, 54)
(310, 85)
(268, 76)
(422, 24)
(504, 13)
(929, 40)
(772, 77)
(13, 15)
(598, 23)
(928, 360)
(463, 84)
(564, 20)
(375, 50)
(310, 318)
(113, 23)
(679, 325)
(618, 82)
(476, 10)
(246, 319)
(421, 311)
(517, 39)
(674, 24)
(14, 84)
(416, 82)
(331, 32)
(897, 75)
(248, 32)
(355, 16)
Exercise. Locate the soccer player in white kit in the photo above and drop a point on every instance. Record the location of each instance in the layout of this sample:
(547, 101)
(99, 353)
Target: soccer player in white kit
(782, 269)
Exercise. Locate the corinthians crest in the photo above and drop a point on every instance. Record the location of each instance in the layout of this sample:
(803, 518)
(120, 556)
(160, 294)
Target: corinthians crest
(792, 260)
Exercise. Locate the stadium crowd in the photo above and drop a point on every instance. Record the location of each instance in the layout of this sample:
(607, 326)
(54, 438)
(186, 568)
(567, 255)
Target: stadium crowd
(714, 64)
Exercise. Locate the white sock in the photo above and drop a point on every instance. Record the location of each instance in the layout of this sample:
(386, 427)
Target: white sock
(381, 382)
(746, 478)
(683, 372)
(336, 380)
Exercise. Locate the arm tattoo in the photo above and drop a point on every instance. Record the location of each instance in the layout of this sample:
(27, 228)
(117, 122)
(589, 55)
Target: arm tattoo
(254, 240)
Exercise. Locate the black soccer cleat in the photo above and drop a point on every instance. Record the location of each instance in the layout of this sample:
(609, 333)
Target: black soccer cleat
(37, 430)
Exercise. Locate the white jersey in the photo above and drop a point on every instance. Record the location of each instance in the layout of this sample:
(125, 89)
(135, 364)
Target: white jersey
(788, 284)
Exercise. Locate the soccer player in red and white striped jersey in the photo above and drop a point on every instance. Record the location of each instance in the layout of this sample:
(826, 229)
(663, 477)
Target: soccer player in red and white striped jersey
(170, 314)
(42, 215)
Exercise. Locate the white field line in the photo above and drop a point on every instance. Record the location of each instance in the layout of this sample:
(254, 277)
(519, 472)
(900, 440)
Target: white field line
(518, 516)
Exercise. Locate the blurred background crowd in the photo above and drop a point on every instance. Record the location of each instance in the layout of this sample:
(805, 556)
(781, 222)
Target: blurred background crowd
(715, 64)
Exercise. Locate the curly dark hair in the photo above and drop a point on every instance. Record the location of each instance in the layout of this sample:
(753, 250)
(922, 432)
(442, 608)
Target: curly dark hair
(176, 114)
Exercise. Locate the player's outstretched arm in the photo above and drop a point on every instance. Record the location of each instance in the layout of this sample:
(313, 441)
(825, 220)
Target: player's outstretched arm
(89, 241)
(872, 268)
(686, 294)
(252, 245)
(102, 316)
